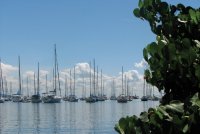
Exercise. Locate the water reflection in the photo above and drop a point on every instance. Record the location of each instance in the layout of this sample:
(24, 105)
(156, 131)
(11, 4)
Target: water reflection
(70, 118)
(36, 118)
(19, 117)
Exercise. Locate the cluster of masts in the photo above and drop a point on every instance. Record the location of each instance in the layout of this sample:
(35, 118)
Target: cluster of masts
(54, 96)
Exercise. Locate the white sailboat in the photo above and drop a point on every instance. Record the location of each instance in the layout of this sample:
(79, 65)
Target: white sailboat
(83, 91)
(113, 96)
(36, 98)
(18, 96)
(72, 97)
(52, 96)
(66, 97)
(90, 99)
(144, 97)
(122, 98)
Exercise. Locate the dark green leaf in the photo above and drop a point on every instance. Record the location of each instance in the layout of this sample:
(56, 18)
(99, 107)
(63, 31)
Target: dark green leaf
(136, 12)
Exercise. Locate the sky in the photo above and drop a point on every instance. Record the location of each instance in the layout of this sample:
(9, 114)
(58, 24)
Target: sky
(83, 30)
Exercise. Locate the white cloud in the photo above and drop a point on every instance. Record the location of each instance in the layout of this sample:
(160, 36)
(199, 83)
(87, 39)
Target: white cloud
(43, 73)
(141, 64)
(6, 68)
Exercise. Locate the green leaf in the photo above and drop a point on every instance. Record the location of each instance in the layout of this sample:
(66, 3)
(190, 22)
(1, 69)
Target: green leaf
(140, 4)
(164, 7)
(119, 129)
(195, 100)
(193, 16)
(144, 117)
(186, 42)
(145, 54)
(136, 12)
(186, 128)
(175, 106)
(123, 123)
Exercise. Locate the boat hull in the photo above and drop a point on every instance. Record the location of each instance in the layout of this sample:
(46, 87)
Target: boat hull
(51, 99)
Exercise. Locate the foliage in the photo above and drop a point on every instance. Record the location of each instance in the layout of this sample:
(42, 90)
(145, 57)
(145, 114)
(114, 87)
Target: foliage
(174, 58)
(175, 117)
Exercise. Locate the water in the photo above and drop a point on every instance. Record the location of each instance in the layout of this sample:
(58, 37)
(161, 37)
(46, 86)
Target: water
(67, 117)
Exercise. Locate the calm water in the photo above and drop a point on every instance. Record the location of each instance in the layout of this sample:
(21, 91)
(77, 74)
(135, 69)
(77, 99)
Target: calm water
(66, 117)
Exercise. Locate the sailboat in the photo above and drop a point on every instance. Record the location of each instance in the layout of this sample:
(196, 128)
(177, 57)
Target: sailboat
(52, 96)
(101, 97)
(36, 97)
(113, 96)
(90, 99)
(144, 97)
(66, 98)
(72, 97)
(26, 99)
(122, 98)
(18, 96)
(83, 91)
(1, 84)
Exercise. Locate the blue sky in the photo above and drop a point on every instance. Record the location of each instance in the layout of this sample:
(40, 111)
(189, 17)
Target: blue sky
(82, 29)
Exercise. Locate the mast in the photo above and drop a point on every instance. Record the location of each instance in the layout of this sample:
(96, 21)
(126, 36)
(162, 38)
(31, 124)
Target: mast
(66, 87)
(97, 85)
(58, 76)
(46, 85)
(34, 85)
(20, 86)
(53, 81)
(125, 89)
(38, 80)
(6, 87)
(55, 74)
(122, 80)
(94, 80)
(10, 88)
(27, 86)
(70, 82)
(74, 81)
(113, 88)
(101, 84)
(83, 93)
(90, 78)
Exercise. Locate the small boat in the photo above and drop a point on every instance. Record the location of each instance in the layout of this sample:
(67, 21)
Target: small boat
(51, 98)
(113, 96)
(18, 97)
(36, 98)
(72, 97)
(90, 99)
(83, 91)
(144, 97)
(122, 98)
(66, 97)
(2, 100)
